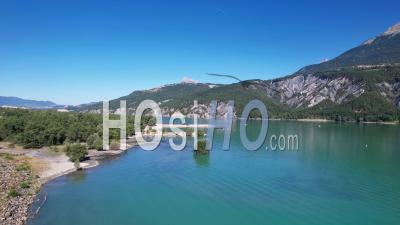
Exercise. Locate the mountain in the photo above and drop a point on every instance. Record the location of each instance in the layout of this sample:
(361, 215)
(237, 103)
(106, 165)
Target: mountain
(381, 50)
(181, 96)
(160, 94)
(240, 93)
(360, 84)
(15, 102)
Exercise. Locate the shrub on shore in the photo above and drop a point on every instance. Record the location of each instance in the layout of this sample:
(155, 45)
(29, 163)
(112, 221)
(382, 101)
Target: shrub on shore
(95, 142)
(76, 152)
(7, 156)
(13, 193)
(25, 184)
(23, 166)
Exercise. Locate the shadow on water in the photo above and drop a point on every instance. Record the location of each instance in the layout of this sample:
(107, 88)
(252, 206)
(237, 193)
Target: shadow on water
(77, 176)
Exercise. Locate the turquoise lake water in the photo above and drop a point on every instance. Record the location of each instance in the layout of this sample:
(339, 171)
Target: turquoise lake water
(341, 174)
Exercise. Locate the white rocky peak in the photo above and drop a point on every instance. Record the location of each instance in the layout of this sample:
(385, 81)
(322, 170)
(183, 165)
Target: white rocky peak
(189, 80)
(369, 41)
(393, 30)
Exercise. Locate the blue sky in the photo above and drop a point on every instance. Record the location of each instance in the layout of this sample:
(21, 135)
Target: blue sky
(75, 52)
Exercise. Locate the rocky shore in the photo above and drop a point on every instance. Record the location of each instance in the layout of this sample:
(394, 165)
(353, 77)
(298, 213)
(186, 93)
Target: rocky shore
(24, 171)
(18, 187)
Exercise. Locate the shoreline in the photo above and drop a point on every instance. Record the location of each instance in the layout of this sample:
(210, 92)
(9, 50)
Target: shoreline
(44, 166)
(331, 121)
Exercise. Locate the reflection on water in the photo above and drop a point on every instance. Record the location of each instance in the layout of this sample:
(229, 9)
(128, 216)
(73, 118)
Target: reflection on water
(76, 177)
(201, 159)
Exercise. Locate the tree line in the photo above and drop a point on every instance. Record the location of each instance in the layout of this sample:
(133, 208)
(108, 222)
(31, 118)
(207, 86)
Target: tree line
(38, 128)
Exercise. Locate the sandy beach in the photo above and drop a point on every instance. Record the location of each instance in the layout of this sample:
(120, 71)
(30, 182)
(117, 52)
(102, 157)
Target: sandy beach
(41, 166)
(47, 164)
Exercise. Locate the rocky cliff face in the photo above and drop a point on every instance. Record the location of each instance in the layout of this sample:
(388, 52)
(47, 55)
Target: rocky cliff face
(310, 90)
(202, 111)
(390, 91)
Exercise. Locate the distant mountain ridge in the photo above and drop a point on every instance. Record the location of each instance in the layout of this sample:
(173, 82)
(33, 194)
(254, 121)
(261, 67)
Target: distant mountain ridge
(381, 50)
(161, 95)
(360, 84)
(16, 102)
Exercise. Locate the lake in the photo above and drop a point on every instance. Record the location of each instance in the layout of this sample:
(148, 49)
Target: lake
(341, 174)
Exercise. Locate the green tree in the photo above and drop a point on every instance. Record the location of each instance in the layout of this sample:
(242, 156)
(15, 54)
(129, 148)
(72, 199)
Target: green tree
(94, 141)
(98, 144)
(76, 152)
